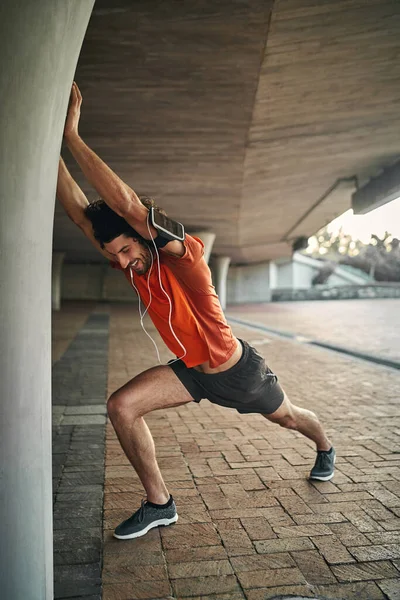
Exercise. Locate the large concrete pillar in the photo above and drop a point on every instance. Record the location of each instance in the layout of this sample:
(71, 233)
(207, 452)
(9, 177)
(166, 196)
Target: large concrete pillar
(56, 268)
(208, 240)
(220, 269)
(39, 47)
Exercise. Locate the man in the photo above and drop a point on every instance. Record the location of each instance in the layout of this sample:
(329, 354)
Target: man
(212, 363)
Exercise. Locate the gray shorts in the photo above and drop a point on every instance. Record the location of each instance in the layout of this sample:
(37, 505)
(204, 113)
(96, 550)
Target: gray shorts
(249, 386)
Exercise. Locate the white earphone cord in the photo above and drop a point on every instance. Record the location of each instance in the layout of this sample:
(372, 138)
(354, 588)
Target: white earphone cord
(142, 315)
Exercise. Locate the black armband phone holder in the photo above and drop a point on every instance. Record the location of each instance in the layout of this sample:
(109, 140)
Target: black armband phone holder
(160, 242)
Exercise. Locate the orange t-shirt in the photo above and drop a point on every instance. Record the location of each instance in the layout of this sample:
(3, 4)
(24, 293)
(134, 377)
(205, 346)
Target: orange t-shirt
(197, 317)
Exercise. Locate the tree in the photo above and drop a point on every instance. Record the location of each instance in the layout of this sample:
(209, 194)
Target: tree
(380, 258)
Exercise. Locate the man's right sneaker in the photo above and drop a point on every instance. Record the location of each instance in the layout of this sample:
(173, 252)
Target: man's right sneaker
(324, 468)
(148, 516)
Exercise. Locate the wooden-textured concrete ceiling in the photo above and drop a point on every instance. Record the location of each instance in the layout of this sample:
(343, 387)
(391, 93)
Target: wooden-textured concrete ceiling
(248, 118)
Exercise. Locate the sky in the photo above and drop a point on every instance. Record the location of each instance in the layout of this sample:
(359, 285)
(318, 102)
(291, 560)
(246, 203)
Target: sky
(385, 218)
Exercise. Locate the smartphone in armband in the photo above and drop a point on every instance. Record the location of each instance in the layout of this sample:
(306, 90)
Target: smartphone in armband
(166, 228)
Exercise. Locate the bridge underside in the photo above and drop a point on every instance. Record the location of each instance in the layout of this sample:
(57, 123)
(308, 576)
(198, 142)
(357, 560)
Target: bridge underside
(251, 119)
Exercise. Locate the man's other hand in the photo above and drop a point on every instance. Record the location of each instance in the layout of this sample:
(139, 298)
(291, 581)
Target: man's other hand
(74, 112)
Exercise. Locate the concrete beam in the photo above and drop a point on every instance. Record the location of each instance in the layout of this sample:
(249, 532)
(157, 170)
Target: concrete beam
(378, 191)
(39, 47)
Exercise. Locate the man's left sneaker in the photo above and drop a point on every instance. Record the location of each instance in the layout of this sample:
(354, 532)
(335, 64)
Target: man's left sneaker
(148, 516)
(324, 468)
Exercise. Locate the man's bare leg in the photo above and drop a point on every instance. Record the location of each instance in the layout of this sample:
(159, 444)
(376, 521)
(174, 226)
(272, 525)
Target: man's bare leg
(299, 419)
(151, 390)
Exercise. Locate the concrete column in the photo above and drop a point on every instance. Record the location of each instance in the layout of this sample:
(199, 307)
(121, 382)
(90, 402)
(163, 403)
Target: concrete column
(39, 47)
(220, 268)
(56, 268)
(273, 275)
(208, 240)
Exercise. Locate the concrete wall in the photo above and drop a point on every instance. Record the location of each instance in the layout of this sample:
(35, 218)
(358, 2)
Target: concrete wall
(299, 272)
(39, 47)
(248, 284)
(82, 282)
(95, 282)
(342, 292)
(285, 274)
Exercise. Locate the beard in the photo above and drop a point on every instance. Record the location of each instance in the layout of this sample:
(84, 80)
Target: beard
(144, 261)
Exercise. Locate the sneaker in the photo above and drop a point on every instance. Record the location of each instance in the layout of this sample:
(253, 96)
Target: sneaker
(144, 519)
(324, 468)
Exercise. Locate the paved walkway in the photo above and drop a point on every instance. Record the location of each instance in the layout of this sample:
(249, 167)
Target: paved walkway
(250, 524)
(369, 326)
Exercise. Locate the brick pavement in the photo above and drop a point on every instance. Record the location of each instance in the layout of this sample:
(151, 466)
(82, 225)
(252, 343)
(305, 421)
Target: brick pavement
(371, 326)
(250, 524)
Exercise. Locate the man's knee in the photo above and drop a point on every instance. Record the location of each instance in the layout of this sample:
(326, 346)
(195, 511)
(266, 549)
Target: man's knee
(288, 422)
(284, 419)
(120, 404)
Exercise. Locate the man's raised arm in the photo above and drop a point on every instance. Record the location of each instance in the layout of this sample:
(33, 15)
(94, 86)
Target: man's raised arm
(71, 196)
(74, 203)
(117, 194)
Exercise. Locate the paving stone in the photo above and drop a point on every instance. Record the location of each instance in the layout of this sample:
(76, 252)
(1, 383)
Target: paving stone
(92, 498)
(236, 542)
(295, 505)
(302, 531)
(335, 507)
(70, 511)
(203, 586)
(149, 543)
(324, 518)
(259, 499)
(384, 537)
(363, 590)
(391, 524)
(201, 553)
(294, 592)
(125, 569)
(181, 536)
(258, 528)
(348, 534)
(283, 545)
(67, 488)
(270, 578)
(231, 596)
(200, 569)
(258, 562)
(390, 587)
(76, 580)
(333, 551)
(313, 567)
(349, 497)
(239, 513)
(387, 498)
(83, 478)
(362, 521)
(73, 523)
(365, 571)
(85, 554)
(193, 515)
(373, 553)
(140, 590)
(71, 539)
(87, 409)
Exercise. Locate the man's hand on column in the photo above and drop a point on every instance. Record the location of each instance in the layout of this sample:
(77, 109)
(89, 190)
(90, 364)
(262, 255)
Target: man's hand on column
(74, 113)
